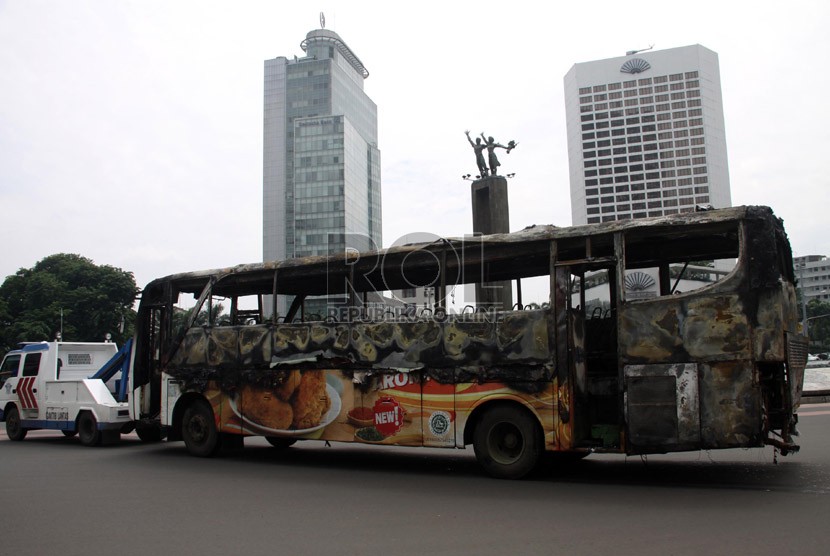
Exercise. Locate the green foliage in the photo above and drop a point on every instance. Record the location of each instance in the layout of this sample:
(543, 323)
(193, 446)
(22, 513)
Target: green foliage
(95, 300)
(818, 313)
(218, 317)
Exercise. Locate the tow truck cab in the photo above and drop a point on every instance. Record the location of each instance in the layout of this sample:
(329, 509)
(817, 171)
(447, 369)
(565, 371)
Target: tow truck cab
(57, 385)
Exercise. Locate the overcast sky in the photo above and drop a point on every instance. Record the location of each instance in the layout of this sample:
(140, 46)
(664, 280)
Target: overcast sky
(131, 132)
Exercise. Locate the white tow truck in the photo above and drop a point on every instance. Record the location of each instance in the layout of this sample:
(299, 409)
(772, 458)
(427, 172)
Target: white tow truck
(77, 388)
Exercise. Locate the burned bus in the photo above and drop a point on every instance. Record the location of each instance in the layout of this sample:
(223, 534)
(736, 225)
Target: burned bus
(717, 365)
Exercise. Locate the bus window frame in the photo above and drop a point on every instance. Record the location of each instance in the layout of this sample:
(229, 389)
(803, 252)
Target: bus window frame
(664, 264)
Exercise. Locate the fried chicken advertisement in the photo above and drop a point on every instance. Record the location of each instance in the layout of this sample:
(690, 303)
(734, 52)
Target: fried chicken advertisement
(300, 402)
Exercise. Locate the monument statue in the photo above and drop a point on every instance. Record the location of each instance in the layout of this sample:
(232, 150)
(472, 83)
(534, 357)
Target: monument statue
(491, 147)
(491, 152)
(478, 147)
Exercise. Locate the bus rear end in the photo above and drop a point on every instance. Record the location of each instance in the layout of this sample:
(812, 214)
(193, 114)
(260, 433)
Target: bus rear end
(721, 366)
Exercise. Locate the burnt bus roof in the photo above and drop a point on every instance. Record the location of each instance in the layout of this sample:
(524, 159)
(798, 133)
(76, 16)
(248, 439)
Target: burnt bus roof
(690, 236)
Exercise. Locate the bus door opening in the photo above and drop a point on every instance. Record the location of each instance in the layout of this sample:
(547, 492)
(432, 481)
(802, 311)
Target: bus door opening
(593, 356)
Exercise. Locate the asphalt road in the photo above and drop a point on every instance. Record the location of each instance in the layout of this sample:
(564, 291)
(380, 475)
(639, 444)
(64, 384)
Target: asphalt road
(59, 498)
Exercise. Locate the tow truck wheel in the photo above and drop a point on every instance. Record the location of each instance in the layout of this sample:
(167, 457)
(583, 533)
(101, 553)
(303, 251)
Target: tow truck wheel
(507, 442)
(88, 429)
(14, 429)
(199, 430)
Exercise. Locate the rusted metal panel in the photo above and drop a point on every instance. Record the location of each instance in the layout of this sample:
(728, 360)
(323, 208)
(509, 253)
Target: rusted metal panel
(796, 364)
(730, 406)
(223, 347)
(484, 348)
(662, 407)
(680, 329)
(715, 325)
(254, 346)
(561, 296)
(380, 269)
(396, 345)
(193, 349)
(768, 339)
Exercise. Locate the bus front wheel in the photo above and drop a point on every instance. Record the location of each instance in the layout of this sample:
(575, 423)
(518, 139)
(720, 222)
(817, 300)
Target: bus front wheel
(199, 430)
(507, 442)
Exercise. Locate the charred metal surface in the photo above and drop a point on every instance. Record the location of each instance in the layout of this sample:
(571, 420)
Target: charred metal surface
(763, 231)
(662, 407)
(681, 329)
(514, 348)
(646, 244)
(561, 296)
(768, 341)
(796, 365)
(730, 408)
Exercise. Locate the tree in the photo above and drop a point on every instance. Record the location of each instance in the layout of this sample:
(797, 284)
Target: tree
(818, 313)
(217, 317)
(87, 300)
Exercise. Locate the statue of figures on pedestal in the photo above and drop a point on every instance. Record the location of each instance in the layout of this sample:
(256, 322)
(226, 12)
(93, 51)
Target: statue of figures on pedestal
(491, 152)
(491, 146)
(478, 147)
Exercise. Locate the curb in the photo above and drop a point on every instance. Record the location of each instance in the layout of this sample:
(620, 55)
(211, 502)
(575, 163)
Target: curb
(817, 396)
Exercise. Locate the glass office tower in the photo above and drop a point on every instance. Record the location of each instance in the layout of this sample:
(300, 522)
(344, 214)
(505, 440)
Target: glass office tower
(321, 163)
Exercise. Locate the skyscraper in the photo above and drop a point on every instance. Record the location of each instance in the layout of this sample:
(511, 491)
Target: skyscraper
(321, 163)
(646, 135)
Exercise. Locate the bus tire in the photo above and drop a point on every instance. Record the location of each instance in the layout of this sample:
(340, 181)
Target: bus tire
(507, 442)
(280, 442)
(14, 429)
(199, 430)
(88, 432)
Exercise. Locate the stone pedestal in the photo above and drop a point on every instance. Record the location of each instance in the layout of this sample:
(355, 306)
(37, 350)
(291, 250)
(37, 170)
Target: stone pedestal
(491, 215)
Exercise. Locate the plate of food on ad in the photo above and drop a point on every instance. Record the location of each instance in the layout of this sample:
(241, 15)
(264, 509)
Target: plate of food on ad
(302, 404)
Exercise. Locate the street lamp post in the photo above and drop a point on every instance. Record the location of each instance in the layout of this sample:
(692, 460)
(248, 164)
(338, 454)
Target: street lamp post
(804, 325)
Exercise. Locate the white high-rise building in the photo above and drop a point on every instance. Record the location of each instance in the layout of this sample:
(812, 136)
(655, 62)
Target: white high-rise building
(813, 275)
(646, 135)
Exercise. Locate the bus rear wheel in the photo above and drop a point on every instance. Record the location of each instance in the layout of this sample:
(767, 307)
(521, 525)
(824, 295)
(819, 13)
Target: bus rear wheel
(199, 430)
(507, 442)
(14, 429)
